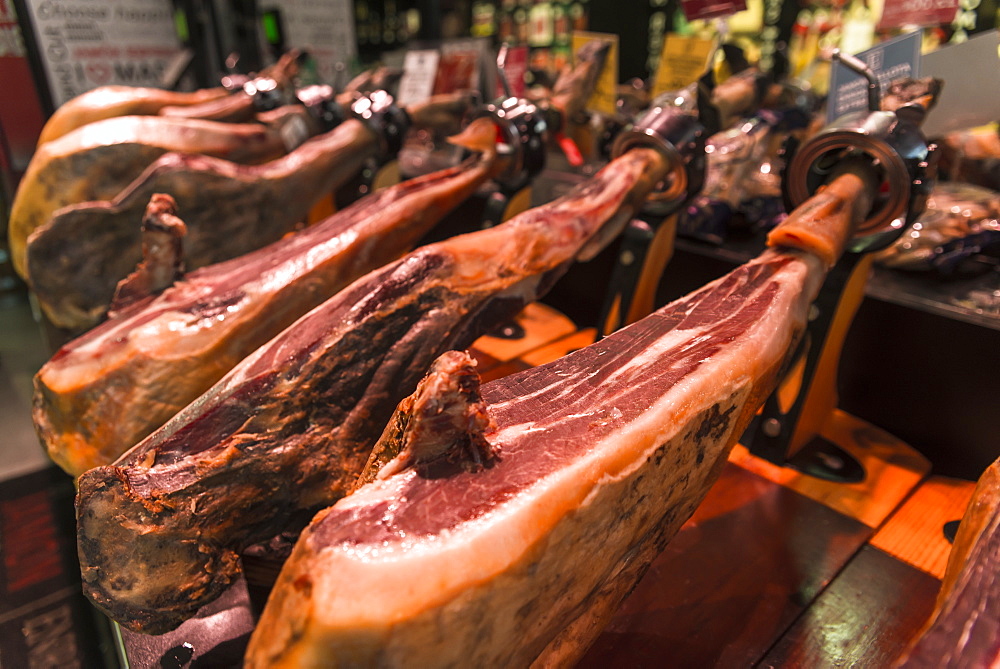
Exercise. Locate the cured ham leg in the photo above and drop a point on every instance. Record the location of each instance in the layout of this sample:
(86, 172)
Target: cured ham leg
(75, 260)
(597, 460)
(574, 86)
(964, 630)
(110, 101)
(105, 391)
(96, 161)
(292, 426)
(113, 101)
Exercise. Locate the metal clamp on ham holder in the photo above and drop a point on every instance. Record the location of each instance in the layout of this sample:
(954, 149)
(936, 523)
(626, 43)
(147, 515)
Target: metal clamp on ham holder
(521, 125)
(788, 431)
(678, 132)
(892, 140)
(386, 119)
(265, 93)
(320, 101)
(379, 111)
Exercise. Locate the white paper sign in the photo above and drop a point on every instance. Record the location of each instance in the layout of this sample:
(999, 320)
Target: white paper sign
(84, 44)
(420, 68)
(324, 28)
(971, 93)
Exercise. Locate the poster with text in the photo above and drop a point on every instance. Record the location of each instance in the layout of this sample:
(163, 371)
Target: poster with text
(893, 59)
(83, 44)
(324, 28)
(682, 60)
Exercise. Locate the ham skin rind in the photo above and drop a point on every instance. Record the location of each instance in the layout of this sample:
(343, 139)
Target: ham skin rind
(290, 428)
(847, 196)
(96, 161)
(606, 451)
(964, 628)
(112, 101)
(78, 256)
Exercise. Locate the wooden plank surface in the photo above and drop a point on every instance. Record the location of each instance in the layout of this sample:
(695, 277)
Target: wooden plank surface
(893, 469)
(536, 325)
(750, 560)
(915, 533)
(560, 347)
(865, 618)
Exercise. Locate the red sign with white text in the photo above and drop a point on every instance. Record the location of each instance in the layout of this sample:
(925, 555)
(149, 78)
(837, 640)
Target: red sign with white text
(515, 66)
(21, 121)
(899, 13)
(707, 9)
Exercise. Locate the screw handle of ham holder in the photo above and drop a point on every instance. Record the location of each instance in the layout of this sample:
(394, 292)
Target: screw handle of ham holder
(523, 126)
(787, 431)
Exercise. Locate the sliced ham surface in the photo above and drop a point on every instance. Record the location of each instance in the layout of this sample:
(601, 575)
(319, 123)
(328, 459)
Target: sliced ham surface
(599, 458)
(292, 426)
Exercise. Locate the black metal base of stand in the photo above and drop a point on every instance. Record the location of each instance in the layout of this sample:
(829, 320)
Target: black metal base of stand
(950, 529)
(826, 460)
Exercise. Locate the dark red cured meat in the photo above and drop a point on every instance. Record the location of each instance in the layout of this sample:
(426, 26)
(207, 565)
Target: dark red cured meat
(600, 457)
(105, 391)
(572, 386)
(292, 426)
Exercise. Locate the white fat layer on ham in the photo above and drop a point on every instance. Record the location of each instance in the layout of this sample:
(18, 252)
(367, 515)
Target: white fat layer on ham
(369, 587)
(187, 134)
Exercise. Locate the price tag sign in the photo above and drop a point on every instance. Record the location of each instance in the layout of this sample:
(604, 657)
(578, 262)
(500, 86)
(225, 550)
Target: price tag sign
(890, 60)
(605, 97)
(898, 13)
(419, 72)
(708, 9)
(460, 65)
(682, 61)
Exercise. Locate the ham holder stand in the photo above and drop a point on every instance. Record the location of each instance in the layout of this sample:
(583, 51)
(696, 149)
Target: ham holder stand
(790, 428)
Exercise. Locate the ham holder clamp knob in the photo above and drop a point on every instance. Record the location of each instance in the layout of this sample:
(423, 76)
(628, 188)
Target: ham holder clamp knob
(379, 110)
(893, 141)
(321, 103)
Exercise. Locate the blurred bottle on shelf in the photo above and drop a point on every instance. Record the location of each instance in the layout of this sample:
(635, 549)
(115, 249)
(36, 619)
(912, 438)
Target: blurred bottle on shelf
(484, 19)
